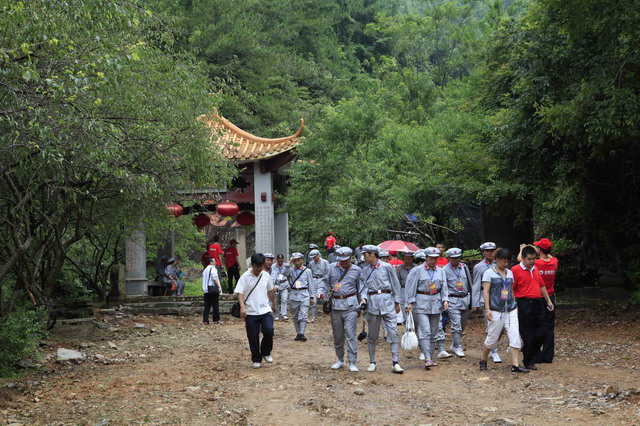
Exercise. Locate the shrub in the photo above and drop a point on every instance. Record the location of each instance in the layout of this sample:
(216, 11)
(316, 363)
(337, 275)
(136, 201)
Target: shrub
(19, 335)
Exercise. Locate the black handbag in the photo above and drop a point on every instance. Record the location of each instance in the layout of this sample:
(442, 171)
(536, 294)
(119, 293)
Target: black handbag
(235, 309)
(212, 289)
(363, 334)
(327, 306)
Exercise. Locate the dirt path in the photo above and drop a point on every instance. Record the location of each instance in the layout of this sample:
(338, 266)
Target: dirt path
(174, 370)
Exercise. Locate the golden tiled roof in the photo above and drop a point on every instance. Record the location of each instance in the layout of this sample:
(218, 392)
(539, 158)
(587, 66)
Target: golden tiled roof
(238, 145)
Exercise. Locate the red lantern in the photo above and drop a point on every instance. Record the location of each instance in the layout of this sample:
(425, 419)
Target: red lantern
(227, 209)
(201, 220)
(246, 219)
(175, 209)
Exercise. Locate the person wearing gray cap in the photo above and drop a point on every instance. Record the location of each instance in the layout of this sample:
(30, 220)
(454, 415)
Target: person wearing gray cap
(279, 273)
(307, 255)
(427, 296)
(477, 298)
(380, 293)
(333, 257)
(302, 294)
(341, 286)
(403, 271)
(458, 281)
(320, 272)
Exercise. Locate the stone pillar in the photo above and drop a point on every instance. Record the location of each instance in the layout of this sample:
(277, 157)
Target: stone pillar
(263, 186)
(241, 238)
(136, 263)
(117, 287)
(281, 234)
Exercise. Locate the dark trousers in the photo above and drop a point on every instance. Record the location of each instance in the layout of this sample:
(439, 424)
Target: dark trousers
(211, 302)
(532, 328)
(256, 324)
(445, 320)
(548, 344)
(233, 272)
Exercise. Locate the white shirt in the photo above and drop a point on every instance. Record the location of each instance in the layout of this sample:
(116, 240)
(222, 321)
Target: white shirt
(209, 275)
(258, 303)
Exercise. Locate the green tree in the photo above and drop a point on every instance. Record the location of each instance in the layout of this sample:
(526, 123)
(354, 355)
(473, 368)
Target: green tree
(97, 120)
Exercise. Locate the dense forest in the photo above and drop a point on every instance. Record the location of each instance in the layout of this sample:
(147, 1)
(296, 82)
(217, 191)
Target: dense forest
(413, 106)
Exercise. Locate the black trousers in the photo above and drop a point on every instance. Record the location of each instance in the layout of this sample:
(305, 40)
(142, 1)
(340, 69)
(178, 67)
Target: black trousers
(256, 324)
(233, 272)
(549, 342)
(533, 328)
(211, 301)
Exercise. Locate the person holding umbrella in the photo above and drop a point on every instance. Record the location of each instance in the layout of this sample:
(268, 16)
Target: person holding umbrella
(403, 271)
(380, 294)
(427, 295)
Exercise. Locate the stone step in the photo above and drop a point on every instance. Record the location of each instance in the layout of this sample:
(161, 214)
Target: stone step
(183, 310)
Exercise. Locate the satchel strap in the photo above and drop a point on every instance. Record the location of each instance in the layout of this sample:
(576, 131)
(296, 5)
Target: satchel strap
(330, 294)
(254, 287)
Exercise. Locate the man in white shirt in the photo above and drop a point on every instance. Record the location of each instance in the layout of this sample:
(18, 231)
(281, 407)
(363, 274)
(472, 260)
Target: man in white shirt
(256, 298)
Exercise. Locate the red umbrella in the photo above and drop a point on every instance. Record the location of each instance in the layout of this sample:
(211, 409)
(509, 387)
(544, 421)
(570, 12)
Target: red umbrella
(398, 245)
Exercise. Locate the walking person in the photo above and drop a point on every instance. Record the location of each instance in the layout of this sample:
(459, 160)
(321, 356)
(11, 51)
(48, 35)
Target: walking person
(477, 295)
(256, 299)
(320, 273)
(427, 297)
(211, 288)
(501, 311)
(279, 273)
(380, 293)
(302, 294)
(458, 280)
(547, 266)
(532, 299)
(232, 264)
(403, 271)
(341, 287)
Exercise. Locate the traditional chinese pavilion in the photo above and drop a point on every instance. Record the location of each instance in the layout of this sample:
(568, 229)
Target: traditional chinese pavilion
(262, 164)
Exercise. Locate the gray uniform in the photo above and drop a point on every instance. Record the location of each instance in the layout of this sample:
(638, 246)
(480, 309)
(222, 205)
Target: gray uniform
(380, 286)
(320, 273)
(344, 312)
(477, 297)
(282, 295)
(459, 285)
(403, 272)
(426, 291)
(357, 253)
(302, 289)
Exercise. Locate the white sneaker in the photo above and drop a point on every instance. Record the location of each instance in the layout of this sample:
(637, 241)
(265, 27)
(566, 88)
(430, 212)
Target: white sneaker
(397, 369)
(353, 368)
(458, 352)
(444, 354)
(495, 357)
(268, 359)
(422, 357)
(372, 367)
(276, 319)
(337, 365)
(256, 365)
(285, 318)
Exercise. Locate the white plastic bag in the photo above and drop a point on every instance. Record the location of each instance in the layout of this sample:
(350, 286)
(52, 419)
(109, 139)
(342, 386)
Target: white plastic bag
(409, 339)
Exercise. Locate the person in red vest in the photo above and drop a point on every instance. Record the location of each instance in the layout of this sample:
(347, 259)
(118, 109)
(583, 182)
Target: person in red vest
(394, 261)
(547, 266)
(215, 250)
(330, 242)
(232, 264)
(442, 261)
